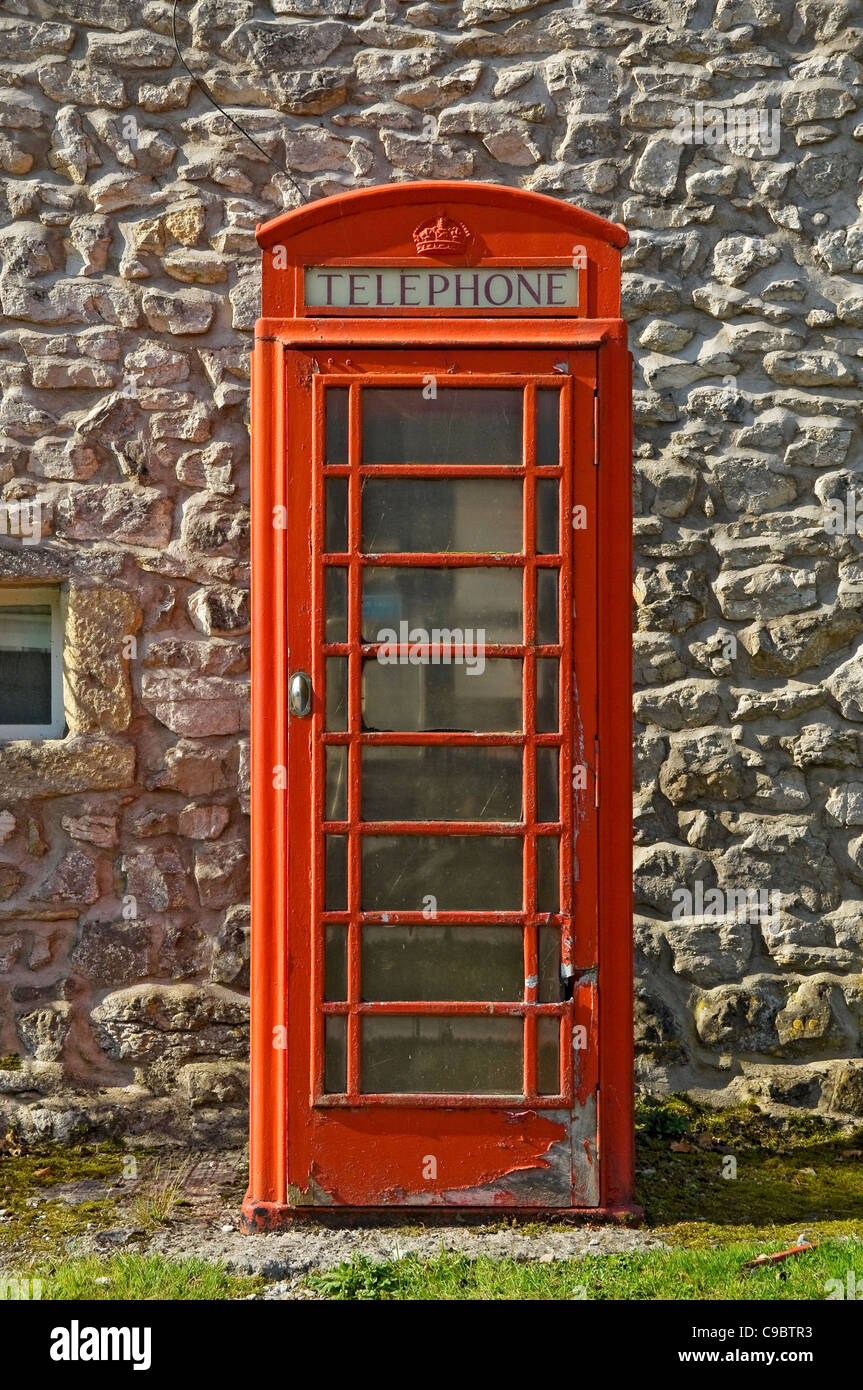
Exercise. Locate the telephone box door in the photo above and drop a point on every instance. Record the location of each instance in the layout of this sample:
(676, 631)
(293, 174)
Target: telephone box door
(441, 866)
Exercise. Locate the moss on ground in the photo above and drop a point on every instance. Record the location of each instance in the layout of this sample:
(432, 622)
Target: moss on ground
(51, 1194)
(709, 1176)
(33, 1225)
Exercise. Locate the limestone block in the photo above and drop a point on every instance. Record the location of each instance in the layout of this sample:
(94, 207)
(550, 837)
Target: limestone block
(100, 628)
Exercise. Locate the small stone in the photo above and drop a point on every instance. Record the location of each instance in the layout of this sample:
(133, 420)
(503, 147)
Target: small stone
(156, 877)
(195, 266)
(74, 882)
(821, 368)
(136, 516)
(230, 959)
(195, 706)
(202, 822)
(807, 1021)
(222, 874)
(656, 170)
(93, 829)
(736, 258)
(662, 336)
(186, 312)
(113, 953)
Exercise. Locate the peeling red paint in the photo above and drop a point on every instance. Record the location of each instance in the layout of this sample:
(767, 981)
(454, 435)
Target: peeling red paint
(465, 1154)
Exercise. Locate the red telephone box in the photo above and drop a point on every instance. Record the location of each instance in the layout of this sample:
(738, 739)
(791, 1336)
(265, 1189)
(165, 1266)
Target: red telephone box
(441, 798)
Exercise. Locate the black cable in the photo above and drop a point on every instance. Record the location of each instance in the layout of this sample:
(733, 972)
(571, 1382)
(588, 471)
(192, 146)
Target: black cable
(209, 95)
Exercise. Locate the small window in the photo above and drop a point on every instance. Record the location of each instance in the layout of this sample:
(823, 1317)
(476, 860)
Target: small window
(31, 664)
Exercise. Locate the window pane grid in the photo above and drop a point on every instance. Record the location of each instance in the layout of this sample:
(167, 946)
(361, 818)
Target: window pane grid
(353, 737)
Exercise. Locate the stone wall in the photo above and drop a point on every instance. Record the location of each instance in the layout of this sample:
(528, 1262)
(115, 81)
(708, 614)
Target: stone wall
(128, 287)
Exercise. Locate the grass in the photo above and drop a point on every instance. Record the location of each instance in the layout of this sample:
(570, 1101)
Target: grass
(650, 1275)
(140, 1278)
(163, 1193)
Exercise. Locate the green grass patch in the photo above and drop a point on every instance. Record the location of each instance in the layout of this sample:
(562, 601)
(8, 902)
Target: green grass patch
(141, 1278)
(673, 1275)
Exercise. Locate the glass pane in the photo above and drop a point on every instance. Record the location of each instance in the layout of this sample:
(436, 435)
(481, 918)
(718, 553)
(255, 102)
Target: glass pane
(547, 427)
(547, 882)
(548, 1056)
(25, 627)
(335, 1054)
(436, 962)
(441, 783)
(336, 801)
(475, 425)
(336, 450)
(452, 1056)
(546, 516)
(336, 872)
(447, 873)
(336, 694)
(448, 606)
(337, 604)
(547, 704)
(546, 605)
(25, 664)
(336, 516)
(335, 964)
(547, 788)
(409, 699)
(434, 515)
(548, 959)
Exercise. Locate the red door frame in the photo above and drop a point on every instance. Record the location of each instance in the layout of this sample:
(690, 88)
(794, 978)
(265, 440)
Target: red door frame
(509, 226)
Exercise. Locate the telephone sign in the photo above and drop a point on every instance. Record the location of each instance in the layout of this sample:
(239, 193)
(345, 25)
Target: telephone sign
(409, 287)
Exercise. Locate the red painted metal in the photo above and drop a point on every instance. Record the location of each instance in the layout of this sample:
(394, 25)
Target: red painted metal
(313, 1151)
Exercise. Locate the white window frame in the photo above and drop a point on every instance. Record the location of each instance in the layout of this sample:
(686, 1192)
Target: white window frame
(52, 598)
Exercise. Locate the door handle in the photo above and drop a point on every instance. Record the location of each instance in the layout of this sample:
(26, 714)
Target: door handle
(567, 982)
(300, 695)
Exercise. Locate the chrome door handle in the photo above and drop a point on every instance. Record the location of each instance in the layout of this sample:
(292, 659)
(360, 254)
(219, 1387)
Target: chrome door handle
(300, 695)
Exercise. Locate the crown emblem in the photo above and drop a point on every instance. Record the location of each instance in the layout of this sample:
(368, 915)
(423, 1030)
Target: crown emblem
(440, 236)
